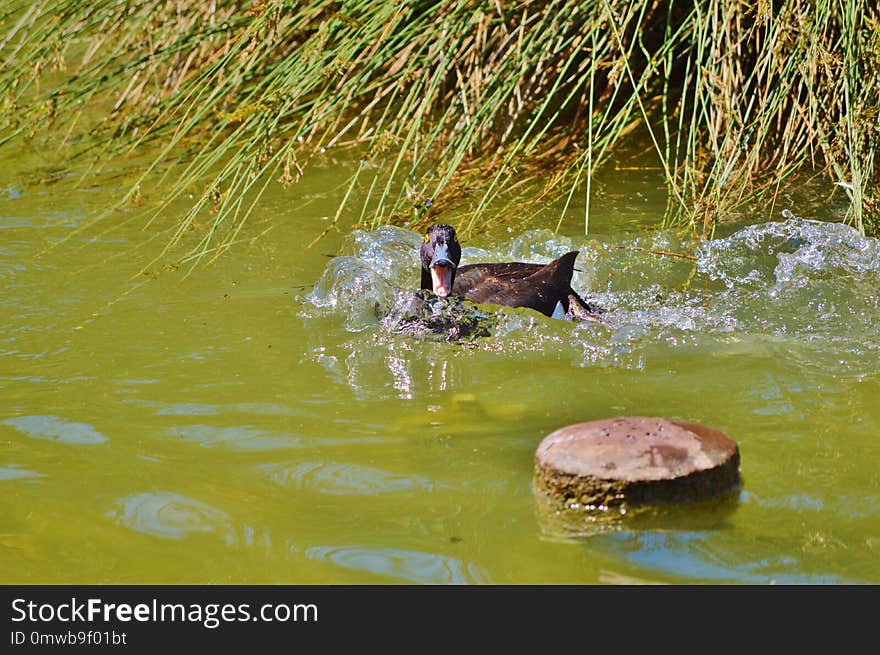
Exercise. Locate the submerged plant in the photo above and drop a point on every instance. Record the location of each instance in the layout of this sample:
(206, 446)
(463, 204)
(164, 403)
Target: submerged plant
(450, 100)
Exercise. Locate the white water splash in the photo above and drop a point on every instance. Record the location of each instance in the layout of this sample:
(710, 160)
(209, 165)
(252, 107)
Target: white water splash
(811, 285)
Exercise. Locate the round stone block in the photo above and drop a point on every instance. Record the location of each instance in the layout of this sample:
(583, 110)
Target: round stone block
(634, 461)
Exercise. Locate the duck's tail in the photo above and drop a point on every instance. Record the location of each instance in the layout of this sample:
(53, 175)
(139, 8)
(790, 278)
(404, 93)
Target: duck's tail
(575, 307)
(564, 269)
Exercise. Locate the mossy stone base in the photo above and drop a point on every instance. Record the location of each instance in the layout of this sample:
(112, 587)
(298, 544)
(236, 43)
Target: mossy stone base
(635, 461)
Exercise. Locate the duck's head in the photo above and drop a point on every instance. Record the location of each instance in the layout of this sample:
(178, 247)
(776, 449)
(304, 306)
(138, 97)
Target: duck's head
(440, 255)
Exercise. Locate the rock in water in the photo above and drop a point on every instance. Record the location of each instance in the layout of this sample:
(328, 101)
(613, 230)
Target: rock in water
(627, 461)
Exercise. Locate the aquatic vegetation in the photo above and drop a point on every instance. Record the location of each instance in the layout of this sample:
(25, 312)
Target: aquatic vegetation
(421, 313)
(453, 104)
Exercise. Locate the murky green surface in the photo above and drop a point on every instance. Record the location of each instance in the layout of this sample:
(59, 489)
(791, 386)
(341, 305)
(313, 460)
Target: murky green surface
(253, 423)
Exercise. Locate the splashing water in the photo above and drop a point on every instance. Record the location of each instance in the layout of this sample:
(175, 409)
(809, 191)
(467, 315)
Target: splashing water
(809, 287)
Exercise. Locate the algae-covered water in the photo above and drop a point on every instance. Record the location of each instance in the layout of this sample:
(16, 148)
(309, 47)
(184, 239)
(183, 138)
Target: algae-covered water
(254, 422)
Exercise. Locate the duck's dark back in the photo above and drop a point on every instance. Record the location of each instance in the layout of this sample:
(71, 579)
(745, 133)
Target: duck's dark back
(518, 284)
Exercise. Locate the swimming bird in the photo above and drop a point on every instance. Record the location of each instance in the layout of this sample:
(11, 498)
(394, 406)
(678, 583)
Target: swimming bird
(543, 287)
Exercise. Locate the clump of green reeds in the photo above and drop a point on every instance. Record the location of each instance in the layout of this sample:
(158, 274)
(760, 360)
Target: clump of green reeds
(443, 97)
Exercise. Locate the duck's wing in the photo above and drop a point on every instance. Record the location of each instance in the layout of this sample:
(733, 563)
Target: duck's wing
(486, 283)
(474, 274)
(518, 284)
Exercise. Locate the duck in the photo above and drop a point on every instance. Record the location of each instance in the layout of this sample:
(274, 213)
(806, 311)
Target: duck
(545, 288)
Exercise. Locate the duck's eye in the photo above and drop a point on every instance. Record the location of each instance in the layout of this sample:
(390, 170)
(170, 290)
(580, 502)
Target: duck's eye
(427, 238)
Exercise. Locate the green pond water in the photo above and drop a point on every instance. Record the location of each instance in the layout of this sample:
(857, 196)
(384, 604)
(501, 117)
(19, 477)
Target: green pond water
(253, 422)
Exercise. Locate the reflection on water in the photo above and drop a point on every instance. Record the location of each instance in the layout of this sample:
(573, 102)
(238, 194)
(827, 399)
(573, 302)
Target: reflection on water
(53, 428)
(412, 566)
(408, 368)
(573, 525)
(171, 516)
(684, 555)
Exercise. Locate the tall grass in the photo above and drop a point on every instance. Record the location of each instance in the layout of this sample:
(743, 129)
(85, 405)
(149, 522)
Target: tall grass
(444, 98)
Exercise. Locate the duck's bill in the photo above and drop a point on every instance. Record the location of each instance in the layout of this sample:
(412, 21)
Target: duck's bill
(441, 270)
(441, 276)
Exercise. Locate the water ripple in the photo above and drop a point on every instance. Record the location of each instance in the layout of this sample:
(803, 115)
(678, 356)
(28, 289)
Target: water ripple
(53, 428)
(14, 473)
(343, 479)
(249, 438)
(170, 516)
(410, 565)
